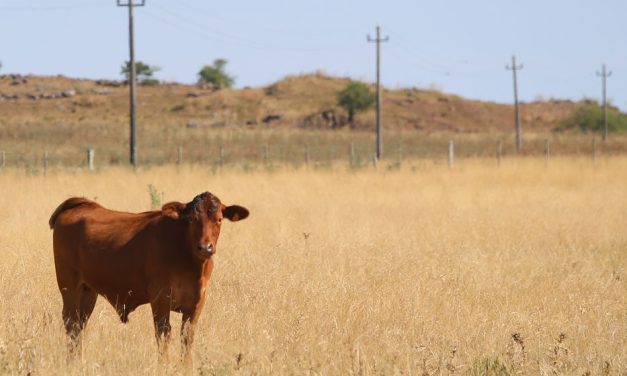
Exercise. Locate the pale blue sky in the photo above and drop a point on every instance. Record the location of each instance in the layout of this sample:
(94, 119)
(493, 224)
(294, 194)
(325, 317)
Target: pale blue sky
(459, 46)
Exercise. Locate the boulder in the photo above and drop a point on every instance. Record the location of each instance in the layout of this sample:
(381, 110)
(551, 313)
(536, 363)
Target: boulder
(68, 93)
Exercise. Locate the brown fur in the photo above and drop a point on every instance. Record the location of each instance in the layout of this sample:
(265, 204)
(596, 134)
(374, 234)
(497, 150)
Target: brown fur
(66, 205)
(161, 257)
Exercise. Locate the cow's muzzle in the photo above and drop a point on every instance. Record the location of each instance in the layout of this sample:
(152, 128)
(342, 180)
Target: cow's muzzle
(205, 250)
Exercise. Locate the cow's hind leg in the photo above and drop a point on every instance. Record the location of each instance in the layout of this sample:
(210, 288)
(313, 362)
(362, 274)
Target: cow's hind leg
(86, 306)
(69, 286)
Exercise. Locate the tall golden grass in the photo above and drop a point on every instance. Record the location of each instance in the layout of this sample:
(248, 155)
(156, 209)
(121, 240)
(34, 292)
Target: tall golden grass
(477, 270)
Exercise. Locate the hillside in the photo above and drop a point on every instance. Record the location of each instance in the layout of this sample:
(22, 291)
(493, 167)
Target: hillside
(296, 101)
(63, 116)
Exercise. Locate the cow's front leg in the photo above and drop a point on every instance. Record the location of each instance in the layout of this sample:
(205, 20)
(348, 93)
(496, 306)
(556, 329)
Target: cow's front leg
(188, 325)
(161, 317)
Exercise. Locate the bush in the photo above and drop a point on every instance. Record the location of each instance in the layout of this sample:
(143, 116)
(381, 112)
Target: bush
(215, 75)
(355, 97)
(589, 118)
(150, 82)
(143, 72)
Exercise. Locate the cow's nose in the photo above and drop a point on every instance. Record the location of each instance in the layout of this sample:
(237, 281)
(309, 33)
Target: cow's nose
(206, 248)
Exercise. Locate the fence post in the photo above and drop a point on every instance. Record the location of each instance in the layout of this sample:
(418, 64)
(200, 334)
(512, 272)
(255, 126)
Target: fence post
(2, 159)
(265, 155)
(375, 162)
(547, 151)
(499, 151)
(221, 156)
(45, 162)
(179, 155)
(90, 159)
(451, 154)
(307, 155)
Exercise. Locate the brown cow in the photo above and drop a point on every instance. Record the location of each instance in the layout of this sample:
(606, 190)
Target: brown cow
(161, 257)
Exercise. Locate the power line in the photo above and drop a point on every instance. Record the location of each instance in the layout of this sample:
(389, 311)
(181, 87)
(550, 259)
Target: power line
(604, 75)
(203, 28)
(30, 8)
(514, 68)
(378, 41)
(177, 26)
(231, 21)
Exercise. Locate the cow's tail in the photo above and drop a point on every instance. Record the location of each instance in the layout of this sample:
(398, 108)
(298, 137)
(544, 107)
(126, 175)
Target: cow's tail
(70, 203)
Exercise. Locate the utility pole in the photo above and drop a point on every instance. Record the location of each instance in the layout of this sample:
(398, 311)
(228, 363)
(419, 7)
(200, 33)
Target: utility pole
(515, 68)
(604, 75)
(133, 99)
(378, 41)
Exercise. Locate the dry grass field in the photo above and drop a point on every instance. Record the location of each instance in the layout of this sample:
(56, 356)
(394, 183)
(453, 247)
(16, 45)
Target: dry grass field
(478, 270)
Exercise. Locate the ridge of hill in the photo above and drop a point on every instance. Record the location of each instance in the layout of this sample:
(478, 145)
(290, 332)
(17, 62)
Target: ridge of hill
(305, 101)
(293, 120)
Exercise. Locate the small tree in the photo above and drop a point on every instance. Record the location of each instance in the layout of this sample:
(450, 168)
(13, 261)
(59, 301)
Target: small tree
(215, 75)
(143, 72)
(355, 97)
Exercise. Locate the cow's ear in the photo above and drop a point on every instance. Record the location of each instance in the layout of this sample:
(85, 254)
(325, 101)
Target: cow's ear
(173, 210)
(235, 212)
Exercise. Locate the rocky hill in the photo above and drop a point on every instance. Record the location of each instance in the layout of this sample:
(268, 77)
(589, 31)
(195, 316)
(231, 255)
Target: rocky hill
(307, 101)
(61, 117)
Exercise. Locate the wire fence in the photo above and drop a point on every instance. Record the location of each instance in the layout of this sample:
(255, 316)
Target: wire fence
(267, 156)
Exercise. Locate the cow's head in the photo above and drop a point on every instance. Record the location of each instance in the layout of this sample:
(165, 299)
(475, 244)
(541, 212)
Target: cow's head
(202, 218)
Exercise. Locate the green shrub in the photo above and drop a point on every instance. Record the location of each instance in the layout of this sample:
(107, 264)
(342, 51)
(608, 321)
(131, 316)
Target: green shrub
(143, 72)
(589, 118)
(149, 82)
(215, 75)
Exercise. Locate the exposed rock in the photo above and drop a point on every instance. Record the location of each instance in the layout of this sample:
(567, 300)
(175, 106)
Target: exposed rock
(68, 93)
(271, 117)
(111, 83)
(9, 97)
(16, 79)
(217, 124)
(102, 91)
(326, 119)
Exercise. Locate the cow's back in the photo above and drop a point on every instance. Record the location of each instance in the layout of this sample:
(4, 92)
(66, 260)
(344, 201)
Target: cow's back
(105, 249)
